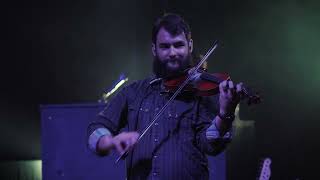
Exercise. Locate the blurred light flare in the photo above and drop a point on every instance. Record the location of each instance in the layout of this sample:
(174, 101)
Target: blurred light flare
(116, 87)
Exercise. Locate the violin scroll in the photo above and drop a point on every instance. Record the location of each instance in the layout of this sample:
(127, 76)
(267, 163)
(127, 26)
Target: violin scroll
(253, 97)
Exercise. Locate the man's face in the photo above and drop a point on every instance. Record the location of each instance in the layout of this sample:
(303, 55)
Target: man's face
(171, 53)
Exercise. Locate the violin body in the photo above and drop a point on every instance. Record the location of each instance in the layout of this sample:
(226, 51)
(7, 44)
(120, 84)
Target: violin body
(207, 84)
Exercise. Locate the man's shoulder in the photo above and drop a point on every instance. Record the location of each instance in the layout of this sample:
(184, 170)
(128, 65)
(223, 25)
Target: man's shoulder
(137, 89)
(140, 85)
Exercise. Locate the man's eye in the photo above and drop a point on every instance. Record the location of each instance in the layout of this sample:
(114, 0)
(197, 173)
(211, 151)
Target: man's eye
(178, 45)
(164, 46)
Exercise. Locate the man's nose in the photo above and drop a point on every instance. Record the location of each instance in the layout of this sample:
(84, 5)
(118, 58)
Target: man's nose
(172, 52)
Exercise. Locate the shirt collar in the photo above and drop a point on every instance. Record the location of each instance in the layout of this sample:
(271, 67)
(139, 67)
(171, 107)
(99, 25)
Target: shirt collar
(158, 83)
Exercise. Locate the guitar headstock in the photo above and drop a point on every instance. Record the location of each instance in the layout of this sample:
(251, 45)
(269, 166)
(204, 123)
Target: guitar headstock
(265, 172)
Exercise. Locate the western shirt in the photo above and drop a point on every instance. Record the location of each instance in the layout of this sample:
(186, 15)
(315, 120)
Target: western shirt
(175, 147)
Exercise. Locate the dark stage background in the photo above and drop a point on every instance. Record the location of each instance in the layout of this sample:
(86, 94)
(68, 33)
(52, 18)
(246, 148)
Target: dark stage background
(61, 52)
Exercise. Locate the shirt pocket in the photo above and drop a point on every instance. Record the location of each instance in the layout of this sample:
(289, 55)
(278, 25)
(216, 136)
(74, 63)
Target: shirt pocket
(145, 114)
(180, 123)
(132, 117)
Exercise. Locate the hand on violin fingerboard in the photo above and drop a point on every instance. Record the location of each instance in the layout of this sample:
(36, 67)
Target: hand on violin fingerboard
(229, 96)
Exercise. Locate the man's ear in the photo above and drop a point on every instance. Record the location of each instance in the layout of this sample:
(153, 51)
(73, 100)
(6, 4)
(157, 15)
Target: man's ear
(190, 45)
(153, 48)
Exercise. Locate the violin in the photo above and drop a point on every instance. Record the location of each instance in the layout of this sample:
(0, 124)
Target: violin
(207, 84)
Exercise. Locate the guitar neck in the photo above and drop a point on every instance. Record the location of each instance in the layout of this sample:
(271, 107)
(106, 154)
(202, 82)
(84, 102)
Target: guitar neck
(265, 169)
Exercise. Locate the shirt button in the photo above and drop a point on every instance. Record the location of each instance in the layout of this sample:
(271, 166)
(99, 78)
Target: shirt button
(155, 140)
(155, 156)
(156, 124)
(154, 173)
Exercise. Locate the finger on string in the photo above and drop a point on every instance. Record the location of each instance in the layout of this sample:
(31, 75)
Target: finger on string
(227, 83)
(220, 87)
(231, 88)
(239, 87)
(224, 85)
(240, 92)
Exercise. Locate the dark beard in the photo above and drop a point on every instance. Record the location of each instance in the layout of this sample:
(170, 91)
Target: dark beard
(161, 70)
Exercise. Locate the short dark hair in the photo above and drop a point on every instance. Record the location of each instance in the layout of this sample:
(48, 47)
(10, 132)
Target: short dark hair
(173, 23)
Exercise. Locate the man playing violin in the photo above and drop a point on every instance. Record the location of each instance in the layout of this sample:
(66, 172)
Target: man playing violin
(176, 145)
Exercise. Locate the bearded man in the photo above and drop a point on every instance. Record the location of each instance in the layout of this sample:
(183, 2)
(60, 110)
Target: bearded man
(177, 144)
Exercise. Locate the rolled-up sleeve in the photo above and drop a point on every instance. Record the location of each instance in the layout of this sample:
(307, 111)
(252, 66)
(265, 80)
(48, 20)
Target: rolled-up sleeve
(208, 136)
(95, 136)
(110, 120)
(213, 133)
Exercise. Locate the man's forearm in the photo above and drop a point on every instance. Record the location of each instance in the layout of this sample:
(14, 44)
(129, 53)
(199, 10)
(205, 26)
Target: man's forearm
(216, 140)
(222, 126)
(219, 130)
(97, 140)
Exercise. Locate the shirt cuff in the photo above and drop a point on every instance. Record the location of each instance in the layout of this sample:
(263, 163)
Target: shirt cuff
(95, 136)
(213, 133)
